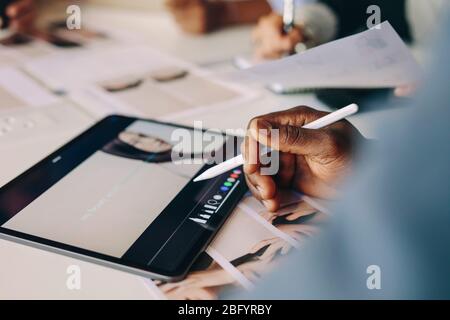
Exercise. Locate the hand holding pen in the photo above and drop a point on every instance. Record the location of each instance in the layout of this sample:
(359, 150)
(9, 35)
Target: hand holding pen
(276, 36)
(311, 161)
(315, 152)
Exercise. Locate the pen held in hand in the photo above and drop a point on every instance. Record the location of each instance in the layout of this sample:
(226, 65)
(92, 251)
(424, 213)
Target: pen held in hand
(288, 16)
(316, 124)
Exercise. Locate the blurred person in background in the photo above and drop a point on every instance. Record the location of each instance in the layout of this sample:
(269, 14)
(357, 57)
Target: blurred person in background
(316, 21)
(202, 16)
(321, 21)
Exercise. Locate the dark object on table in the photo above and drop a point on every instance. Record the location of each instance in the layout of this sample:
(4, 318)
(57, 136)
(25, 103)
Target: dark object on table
(337, 98)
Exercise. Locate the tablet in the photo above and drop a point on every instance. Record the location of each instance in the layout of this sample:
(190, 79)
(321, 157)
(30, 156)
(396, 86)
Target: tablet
(121, 194)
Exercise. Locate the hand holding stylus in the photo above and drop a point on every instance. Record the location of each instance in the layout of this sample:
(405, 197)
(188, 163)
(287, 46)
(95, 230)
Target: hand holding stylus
(311, 161)
(316, 123)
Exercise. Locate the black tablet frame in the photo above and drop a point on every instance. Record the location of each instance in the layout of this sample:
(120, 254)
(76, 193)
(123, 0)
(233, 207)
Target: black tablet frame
(168, 246)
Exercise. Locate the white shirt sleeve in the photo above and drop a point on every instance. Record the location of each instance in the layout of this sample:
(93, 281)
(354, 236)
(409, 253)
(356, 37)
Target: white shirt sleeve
(318, 21)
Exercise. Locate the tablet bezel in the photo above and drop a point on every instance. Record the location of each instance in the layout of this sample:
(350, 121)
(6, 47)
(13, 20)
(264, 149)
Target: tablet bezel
(128, 263)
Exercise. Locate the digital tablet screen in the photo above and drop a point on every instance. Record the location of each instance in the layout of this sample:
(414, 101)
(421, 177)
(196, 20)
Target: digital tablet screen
(105, 198)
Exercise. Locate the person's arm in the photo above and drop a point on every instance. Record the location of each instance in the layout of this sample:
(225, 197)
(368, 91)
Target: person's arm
(202, 16)
(21, 14)
(244, 12)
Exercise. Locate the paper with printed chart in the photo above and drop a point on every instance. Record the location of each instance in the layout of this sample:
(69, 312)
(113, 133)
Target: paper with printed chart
(376, 58)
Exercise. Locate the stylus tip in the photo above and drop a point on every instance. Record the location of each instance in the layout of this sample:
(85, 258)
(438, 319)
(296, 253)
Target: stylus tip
(203, 176)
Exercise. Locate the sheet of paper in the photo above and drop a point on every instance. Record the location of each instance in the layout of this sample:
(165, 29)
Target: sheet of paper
(21, 48)
(33, 122)
(18, 90)
(135, 80)
(375, 58)
(251, 244)
(17, 49)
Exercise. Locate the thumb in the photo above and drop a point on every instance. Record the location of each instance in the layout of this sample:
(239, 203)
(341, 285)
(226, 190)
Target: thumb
(290, 138)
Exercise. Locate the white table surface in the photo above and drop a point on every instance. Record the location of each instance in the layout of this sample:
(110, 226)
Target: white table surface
(31, 273)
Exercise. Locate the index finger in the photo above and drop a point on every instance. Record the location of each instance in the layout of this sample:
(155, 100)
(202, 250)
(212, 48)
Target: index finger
(297, 116)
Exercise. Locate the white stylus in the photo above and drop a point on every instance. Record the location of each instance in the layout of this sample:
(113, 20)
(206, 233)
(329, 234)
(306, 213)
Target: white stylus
(316, 124)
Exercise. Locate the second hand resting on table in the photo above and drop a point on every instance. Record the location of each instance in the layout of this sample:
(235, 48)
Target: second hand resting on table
(310, 161)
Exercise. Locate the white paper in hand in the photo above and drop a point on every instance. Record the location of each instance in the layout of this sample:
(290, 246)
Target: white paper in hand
(374, 58)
